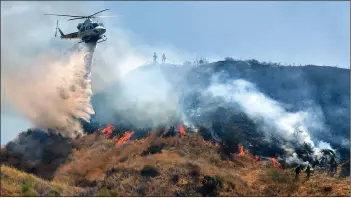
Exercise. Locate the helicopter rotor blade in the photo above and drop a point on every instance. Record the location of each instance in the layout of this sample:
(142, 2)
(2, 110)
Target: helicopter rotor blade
(63, 15)
(56, 28)
(103, 16)
(77, 18)
(98, 12)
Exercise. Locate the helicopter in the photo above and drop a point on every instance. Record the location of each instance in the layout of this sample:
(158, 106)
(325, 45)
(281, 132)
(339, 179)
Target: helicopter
(88, 31)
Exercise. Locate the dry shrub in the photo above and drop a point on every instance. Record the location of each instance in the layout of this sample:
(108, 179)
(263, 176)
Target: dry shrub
(175, 166)
(88, 165)
(37, 152)
(149, 171)
(17, 183)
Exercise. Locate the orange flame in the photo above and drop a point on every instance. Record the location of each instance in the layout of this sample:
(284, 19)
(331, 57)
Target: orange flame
(182, 130)
(108, 130)
(242, 151)
(210, 143)
(140, 141)
(257, 158)
(125, 138)
(275, 162)
(217, 144)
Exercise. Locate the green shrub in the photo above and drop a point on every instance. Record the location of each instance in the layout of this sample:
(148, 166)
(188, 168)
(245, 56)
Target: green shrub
(104, 192)
(27, 184)
(31, 192)
(28, 190)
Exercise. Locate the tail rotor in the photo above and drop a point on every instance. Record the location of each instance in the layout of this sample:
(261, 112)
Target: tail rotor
(56, 28)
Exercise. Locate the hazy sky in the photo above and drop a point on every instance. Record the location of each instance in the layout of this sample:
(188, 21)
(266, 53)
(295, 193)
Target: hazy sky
(292, 32)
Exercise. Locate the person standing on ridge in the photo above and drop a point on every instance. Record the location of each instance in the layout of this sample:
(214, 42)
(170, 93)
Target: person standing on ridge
(163, 58)
(155, 58)
(333, 167)
(308, 171)
(298, 170)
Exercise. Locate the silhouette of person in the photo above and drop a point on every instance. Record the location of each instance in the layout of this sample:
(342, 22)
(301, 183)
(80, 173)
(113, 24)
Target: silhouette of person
(163, 58)
(308, 171)
(298, 170)
(155, 58)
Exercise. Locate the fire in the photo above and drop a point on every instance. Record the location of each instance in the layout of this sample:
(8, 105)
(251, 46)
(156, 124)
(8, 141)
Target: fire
(257, 158)
(141, 141)
(210, 143)
(182, 130)
(217, 144)
(242, 151)
(108, 130)
(125, 138)
(275, 162)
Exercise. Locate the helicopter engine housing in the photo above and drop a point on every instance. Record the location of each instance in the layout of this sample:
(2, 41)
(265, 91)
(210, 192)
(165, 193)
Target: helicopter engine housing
(79, 25)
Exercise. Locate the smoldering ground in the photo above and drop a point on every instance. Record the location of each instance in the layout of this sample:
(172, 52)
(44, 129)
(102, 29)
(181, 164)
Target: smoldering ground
(151, 97)
(271, 117)
(232, 103)
(282, 118)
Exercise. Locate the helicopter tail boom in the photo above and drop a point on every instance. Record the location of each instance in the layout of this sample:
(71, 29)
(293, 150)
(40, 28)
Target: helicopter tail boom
(57, 28)
(62, 34)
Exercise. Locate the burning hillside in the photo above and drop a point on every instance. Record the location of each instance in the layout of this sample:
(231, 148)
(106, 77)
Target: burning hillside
(230, 102)
(164, 163)
(211, 136)
(226, 128)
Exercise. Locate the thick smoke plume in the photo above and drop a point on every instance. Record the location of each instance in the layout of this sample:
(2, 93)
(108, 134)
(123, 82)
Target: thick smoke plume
(114, 59)
(54, 92)
(44, 79)
(144, 99)
(272, 118)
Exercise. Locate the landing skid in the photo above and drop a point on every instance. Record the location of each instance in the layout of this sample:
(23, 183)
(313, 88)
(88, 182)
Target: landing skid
(96, 42)
(102, 40)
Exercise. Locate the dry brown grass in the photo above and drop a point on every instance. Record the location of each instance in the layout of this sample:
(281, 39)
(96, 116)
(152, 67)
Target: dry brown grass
(278, 182)
(18, 183)
(185, 159)
(178, 166)
(321, 184)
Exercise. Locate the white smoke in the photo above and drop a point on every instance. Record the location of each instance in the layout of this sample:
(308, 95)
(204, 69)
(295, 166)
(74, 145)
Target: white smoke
(52, 93)
(22, 54)
(273, 117)
(146, 99)
(42, 81)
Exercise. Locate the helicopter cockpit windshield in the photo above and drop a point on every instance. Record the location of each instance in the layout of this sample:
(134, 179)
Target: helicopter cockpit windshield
(94, 25)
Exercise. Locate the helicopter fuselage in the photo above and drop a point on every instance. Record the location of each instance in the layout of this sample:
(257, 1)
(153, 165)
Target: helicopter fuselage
(88, 31)
(91, 31)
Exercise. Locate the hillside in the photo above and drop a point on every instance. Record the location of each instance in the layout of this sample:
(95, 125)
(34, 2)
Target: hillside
(179, 165)
(229, 128)
(155, 95)
(17, 183)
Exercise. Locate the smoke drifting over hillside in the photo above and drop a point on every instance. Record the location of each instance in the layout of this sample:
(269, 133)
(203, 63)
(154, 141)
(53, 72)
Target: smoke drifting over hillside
(52, 91)
(231, 106)
(271, 116)
(142, 99)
